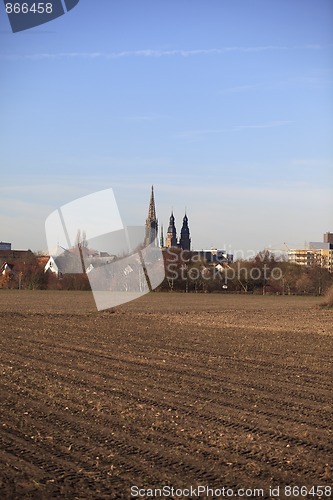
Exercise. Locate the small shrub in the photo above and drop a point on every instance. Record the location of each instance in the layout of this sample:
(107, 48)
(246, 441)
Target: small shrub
(328, 299)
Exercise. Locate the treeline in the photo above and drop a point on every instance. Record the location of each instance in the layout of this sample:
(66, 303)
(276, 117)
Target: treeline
(187, 272)
(266, 273)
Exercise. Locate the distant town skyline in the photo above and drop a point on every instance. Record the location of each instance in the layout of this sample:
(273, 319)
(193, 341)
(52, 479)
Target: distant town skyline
(132, 218)
(226, 108)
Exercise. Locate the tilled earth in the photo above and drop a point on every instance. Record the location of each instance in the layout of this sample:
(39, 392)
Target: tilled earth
(181, 390)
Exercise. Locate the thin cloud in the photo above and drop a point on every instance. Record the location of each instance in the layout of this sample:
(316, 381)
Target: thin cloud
(309, 81)
(241, 88)
(145, 117)
(312, 163)
(191, 134)
(280, 123)
(153, 53)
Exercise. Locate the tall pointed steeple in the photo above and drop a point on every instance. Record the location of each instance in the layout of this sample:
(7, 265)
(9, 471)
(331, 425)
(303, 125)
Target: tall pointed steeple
(151, 222)
(152, 210)
(185, 240)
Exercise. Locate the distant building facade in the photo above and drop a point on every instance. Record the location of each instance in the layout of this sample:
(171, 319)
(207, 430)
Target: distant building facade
(318, 253)
(215, 256)
(15, 255)
(328, 238)
(301, 256)
(5, 246)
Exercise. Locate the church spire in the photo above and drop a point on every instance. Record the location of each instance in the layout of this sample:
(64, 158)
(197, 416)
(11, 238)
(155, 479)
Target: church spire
(151, 222)
(185, 240)
(152, 210)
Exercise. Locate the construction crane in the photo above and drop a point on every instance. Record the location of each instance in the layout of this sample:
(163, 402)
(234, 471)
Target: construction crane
(287, 247)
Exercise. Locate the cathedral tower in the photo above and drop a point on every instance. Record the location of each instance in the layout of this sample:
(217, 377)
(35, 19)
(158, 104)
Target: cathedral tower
(171, 239)
(151, 222)
(185, 240)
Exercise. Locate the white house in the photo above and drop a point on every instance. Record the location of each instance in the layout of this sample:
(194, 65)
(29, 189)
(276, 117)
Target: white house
(52, 267)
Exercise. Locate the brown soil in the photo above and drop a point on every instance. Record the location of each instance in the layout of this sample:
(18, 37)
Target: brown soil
(172, 389)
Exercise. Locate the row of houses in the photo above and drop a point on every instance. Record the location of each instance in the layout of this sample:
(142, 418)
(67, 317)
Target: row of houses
(73, 261)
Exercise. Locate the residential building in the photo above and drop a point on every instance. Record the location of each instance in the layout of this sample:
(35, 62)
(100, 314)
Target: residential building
(10, 255)
(301, 256)
(317, 253)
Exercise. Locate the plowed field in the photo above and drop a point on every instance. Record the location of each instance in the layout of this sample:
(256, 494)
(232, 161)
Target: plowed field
(173, 389)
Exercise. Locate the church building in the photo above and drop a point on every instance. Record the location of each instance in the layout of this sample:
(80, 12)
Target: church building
(211, 256)
(184, 240)
(151, 231)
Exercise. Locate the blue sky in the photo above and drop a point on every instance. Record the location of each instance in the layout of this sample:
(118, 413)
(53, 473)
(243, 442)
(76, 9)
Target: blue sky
(225, 106)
